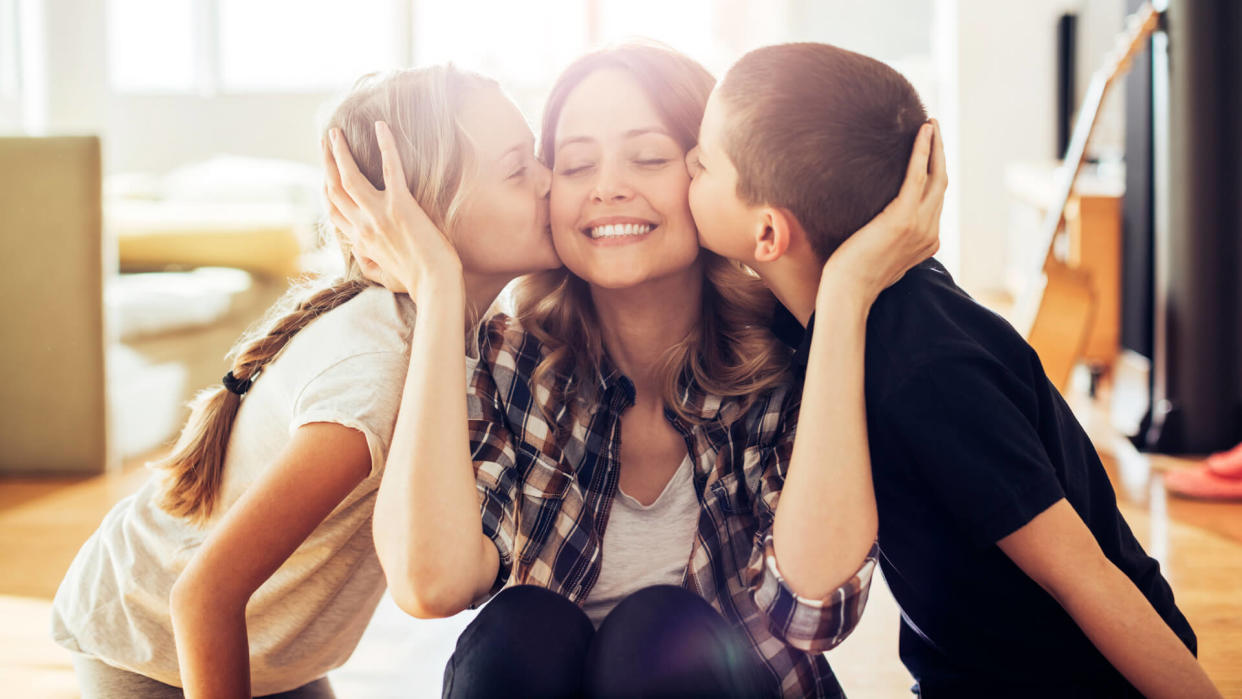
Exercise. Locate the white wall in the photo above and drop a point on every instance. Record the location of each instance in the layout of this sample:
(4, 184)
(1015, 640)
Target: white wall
(996, 67)
(155, 133)
(883, 29)
(997, 73)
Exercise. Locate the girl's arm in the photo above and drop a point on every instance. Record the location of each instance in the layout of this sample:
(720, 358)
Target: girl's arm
(1058, 551)
(320, 466)
(828, 495)
(427, 525)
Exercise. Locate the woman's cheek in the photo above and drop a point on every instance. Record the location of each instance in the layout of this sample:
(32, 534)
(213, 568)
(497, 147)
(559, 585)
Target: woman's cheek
(677, 185)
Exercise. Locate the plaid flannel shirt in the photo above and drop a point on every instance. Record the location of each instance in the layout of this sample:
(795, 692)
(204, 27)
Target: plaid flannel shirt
(546, 489)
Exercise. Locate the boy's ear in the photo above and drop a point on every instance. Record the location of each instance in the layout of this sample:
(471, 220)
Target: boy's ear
(774, 239)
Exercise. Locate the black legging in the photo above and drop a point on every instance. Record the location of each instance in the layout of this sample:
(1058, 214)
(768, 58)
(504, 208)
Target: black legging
(659, 641)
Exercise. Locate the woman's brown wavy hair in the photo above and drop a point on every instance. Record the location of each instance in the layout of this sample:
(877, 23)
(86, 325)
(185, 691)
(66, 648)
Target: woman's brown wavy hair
(731, 352)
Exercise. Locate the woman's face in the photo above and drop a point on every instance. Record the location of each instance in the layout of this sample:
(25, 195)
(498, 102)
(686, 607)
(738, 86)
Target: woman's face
(502, 226)
(620, 214)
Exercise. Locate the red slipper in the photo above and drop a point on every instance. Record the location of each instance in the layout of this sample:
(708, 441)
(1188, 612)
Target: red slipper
(1227, 464)
(1202, 483)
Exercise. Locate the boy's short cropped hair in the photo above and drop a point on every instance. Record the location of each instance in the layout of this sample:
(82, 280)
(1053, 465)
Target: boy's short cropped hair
(823, 132)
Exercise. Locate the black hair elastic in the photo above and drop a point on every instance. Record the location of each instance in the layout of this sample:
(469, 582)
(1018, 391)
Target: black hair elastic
(236, 385)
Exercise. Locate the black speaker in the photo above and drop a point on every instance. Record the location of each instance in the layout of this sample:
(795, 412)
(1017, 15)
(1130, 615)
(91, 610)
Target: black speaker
(1067, 51)
(1136, 210)
(1197, 330)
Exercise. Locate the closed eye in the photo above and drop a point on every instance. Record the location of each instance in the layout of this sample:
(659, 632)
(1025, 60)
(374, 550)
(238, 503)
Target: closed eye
(520, 172)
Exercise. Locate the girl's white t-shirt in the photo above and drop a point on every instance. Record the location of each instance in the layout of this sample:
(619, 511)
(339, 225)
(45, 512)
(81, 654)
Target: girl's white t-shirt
(346, 367)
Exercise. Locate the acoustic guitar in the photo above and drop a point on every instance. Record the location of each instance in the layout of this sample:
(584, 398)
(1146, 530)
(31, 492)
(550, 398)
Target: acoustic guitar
(1057, 312)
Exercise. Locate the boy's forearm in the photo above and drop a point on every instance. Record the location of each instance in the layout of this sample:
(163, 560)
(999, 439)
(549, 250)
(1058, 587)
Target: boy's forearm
(1058, 551)
(1125, 628)
(826, 519)
(427, 525)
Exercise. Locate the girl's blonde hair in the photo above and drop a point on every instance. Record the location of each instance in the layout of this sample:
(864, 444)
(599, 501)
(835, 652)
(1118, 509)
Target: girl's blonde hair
(731, 352)
(422, 107)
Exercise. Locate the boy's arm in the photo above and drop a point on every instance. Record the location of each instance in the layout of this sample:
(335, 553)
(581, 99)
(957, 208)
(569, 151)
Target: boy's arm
(966, 425)
(1057, 551)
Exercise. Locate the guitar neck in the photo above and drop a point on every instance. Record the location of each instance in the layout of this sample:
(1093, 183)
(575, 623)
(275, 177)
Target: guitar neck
(1139, 27)
(1067, 174)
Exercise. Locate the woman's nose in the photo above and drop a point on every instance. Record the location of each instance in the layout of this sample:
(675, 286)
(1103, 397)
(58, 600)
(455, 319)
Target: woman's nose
(610, 186)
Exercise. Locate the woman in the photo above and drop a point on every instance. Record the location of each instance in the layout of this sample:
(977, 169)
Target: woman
(248, 567)
(629, 432)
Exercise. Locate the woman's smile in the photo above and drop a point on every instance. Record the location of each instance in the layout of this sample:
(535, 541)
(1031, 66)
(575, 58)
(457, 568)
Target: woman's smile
(618, 230)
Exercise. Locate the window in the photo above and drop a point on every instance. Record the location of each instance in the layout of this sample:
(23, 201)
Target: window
(685, 25)
(275, 46)
(523, 45)
(213, 46)
(151, 45)
(306, 45)
(9, 48)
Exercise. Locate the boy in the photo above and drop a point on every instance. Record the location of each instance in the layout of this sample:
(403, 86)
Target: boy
(998, 528)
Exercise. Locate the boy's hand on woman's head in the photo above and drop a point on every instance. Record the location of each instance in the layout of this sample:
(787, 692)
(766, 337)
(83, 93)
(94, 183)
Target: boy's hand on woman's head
(390, 235)
(905, 233)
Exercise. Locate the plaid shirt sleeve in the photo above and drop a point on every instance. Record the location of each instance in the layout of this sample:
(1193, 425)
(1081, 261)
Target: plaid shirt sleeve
(494, 463)
(812, 625)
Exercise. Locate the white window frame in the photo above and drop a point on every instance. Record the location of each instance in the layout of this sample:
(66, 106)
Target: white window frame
(207, 81)
(11, 117)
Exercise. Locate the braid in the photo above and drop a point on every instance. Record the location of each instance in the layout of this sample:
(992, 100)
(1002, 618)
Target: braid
(250, 358)
(195, 469)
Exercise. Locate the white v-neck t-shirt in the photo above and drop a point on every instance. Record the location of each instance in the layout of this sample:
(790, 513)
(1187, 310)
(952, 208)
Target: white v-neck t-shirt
(646, 545)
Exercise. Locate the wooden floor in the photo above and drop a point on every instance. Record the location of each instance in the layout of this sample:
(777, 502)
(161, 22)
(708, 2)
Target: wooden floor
(44, 521)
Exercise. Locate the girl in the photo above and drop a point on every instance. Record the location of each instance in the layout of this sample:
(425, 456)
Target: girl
(631, 431)
(248, 568)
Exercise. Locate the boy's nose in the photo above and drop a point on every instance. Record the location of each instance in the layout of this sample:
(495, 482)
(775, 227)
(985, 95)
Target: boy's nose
(692, 162)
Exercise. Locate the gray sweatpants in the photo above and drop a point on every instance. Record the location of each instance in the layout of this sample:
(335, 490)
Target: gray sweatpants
(99, 680)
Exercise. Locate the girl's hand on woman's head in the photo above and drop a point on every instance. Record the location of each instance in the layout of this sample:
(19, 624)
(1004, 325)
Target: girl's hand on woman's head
(394, 240)
(906, 232)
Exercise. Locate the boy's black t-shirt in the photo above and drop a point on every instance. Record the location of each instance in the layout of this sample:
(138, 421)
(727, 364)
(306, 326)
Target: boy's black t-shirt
(969, 442)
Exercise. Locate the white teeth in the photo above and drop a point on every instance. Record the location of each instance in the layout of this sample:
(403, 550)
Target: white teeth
(620, 229)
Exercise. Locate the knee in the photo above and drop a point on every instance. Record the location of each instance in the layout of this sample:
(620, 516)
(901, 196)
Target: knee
(528, 641)
(666, 641)
(661, 610)
(529, 620)
(526, 606)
